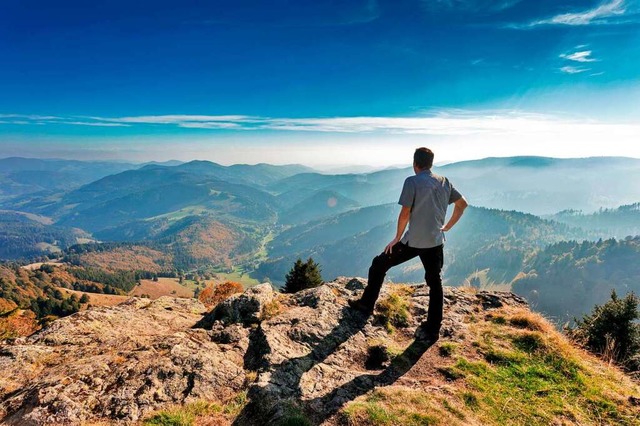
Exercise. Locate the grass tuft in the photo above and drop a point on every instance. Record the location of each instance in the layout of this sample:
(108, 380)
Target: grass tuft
(447, 349)
(271, 309)
(394, 310)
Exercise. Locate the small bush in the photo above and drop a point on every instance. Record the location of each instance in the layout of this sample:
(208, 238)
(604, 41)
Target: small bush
(211, 296)
(611, 329)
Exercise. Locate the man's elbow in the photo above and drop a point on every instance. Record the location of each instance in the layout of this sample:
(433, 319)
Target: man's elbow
(462, 204)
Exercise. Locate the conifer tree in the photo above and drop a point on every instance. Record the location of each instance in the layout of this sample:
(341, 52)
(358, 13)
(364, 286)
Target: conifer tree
(303, 275)
(612, 329)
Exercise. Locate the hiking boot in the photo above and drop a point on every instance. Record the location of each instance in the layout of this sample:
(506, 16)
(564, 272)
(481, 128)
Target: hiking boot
(424, 333)
(358, 305)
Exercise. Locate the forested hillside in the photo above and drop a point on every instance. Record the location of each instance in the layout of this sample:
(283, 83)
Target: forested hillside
(24, 236)
(568, 278)
(494, 242)
(617, 222)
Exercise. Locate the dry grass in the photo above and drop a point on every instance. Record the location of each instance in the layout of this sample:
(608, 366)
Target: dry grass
(199, 413)
(97, 299)
(162, 287)
(400, 406)
(271, 309)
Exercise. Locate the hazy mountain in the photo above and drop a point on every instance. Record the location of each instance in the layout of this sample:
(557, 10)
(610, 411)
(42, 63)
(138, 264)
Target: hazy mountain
(619, 222)
(494, 242)
(321, 204)
(546, 185)
(22, 176)
(535, 185)
(257, 175)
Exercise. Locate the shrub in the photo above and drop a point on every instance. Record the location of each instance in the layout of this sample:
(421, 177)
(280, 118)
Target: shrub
(303, 275)
(211, 296)
(611, 329)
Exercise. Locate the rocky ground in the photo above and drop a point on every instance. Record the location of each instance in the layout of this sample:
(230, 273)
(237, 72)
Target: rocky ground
(304, 356)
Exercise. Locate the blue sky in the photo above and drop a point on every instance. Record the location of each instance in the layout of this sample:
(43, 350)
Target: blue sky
(319, 82)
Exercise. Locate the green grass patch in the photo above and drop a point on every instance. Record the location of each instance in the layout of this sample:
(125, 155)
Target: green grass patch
(187, 414)
(294, 416)
(529, 381)
(395, 407)
(447, 349)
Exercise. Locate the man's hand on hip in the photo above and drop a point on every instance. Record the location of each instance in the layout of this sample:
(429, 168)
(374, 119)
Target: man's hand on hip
(389, 246)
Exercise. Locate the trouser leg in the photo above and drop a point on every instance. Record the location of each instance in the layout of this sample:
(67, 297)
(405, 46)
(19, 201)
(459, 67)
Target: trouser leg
(400, 253)
(432, 260)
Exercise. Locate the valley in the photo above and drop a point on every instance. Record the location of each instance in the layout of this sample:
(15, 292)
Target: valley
(250, 223)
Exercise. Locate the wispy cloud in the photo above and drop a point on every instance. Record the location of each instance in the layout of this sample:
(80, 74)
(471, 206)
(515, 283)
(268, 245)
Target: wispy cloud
(608, 12)
(581, 56)
(440, 123)
(175, 119)
(573, 70)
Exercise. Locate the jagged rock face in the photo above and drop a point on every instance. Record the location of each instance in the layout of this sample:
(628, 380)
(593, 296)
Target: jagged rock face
(120, 363)
(117, 363)
(245, 308)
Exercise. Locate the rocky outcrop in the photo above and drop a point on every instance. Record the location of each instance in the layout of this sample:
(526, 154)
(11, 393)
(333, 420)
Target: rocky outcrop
(121, 363)
(117, 363)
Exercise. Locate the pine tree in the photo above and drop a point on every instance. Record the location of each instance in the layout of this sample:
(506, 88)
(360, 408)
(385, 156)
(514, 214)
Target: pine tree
(303, 275)
(612, 328)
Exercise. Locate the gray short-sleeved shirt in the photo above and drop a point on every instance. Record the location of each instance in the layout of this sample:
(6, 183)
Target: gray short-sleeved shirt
(428, 196)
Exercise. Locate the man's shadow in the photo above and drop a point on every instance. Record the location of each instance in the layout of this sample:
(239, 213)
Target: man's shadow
(265, 401)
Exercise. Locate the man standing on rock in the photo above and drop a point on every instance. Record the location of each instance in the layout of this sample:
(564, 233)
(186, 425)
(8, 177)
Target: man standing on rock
(424, 200)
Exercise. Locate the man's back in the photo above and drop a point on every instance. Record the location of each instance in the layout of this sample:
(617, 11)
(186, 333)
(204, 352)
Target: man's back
(428, 196)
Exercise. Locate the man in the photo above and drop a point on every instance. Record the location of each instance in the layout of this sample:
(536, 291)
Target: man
(424, 200)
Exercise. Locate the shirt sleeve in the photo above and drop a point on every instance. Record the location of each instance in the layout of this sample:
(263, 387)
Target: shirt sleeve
(408, 193)
(454, 195)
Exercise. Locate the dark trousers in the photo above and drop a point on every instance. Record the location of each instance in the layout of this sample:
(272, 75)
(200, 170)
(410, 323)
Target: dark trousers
(432, 260)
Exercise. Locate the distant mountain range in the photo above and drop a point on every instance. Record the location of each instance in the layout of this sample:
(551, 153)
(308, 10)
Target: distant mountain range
(257, 220)
(266, 216)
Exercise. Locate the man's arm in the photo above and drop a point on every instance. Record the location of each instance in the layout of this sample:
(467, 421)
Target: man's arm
(458, 210)
(403, 220)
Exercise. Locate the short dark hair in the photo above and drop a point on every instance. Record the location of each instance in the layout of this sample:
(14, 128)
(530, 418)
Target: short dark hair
(423, 158)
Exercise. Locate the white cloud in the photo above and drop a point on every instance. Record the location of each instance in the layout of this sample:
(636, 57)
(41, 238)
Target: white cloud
(87, 123)
(175, 119)
(573, 70)
(607, 12)
(580, 56)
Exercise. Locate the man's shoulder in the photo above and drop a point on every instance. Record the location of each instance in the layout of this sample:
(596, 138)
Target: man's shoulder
(433, 177)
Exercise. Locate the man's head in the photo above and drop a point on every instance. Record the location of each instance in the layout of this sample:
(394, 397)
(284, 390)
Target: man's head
(422, 159)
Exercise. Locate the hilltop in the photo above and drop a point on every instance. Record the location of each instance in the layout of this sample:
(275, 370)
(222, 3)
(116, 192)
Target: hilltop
(267, 358)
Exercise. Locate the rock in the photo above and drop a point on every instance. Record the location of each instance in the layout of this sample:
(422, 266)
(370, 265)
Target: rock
(244, 308)
(118, 364)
